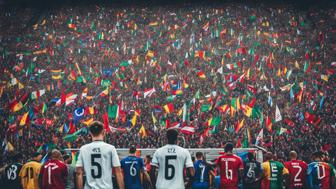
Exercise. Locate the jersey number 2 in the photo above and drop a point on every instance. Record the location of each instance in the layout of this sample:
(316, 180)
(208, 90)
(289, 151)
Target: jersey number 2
(94, 163)
(169, 166)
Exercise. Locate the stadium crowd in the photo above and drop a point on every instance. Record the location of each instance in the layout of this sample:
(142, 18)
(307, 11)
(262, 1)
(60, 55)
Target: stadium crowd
(218, 74)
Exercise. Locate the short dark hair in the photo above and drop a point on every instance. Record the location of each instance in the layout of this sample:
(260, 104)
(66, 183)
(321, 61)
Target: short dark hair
(36, 154)
(132, 149)
(172, 136)
(250, 156)
(228, 147)
(199, 155)
(96, 128)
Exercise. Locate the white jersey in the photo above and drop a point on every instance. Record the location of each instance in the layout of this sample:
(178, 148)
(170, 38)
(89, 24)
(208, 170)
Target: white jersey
(98, 158)
(171, 159)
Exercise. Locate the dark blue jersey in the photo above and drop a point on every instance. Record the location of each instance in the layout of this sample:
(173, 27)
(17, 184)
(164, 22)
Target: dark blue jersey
(132, 166)
(201, 171)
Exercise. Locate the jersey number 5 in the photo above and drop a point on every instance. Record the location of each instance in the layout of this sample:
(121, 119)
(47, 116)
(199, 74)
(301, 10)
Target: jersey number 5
(169, 166)
(94, 163)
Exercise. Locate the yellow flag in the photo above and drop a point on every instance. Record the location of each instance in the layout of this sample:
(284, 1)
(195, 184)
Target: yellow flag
(133, 120)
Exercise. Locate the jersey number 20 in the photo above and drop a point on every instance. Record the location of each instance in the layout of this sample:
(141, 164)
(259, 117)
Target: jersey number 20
(169, 166)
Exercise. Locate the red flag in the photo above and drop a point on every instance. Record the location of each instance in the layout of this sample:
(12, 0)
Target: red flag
(71, 128)
(63, 98)
(268, 122)
(289, 122)
(106, 122)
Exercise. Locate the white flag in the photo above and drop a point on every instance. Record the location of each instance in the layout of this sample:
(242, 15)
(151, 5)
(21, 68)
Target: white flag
(278, 116)
(220, 70)
(260, 137)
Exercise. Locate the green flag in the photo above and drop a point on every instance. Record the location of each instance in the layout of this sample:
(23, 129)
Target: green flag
(113, 111)
(206, 107)
(215, 121)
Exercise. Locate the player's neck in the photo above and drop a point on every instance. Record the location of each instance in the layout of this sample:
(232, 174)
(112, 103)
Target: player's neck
(98, 138)
(131, 155)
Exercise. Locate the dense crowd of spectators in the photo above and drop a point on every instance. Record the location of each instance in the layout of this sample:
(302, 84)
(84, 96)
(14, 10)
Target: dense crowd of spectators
(277, 55)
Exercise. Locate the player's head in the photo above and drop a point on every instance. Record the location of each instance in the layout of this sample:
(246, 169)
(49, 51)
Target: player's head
(317, 156)
(37, 156)
(56, 155)
(172, 135)
(132, 149)
(148, 159)
(67, 158)
(250, 156)
(268, 156)
(199, 155)
(292, 155)
(97, 129)
(228, 147)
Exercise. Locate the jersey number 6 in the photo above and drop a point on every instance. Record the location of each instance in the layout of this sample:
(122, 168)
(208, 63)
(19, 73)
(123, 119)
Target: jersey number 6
(169, 166)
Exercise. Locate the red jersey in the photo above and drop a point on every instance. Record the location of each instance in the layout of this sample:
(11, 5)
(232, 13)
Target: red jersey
(229, 165)
(54, 174)
(297, 170)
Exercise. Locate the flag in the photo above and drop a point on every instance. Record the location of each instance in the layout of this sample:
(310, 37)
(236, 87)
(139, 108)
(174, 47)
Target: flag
(104, 92)
(214, 121)
(133, 120)
(289, 122)
(224, 108)
(25, 119)
(78, 114)
(72, 128)
(113, 111)
(281, 131)
(260, 138)
(239, 125)
(106, 122)
(278, 116)
(312, 119)
(154, 119)
(189, 130)
(220, 70)
(142, 132)
(185, 111)
(205, 108)
(268, 123)
(247, 110)
(206, 26)
(168, 108)
(325, 77)
(17, 106)
(37, 94)
(149, 92)
(88, 122)
(44, 107)
(201, 74)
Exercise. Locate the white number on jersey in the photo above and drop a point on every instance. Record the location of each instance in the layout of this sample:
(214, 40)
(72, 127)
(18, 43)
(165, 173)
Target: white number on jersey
(296, 179)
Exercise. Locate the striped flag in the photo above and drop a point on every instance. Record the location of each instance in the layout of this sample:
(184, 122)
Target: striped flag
(278, 116)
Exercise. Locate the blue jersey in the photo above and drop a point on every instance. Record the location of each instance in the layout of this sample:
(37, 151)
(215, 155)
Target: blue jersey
(132, 166)
(201, 178)
(320, 175)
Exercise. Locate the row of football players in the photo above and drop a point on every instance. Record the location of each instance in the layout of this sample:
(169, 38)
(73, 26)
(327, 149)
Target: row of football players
(171, 166)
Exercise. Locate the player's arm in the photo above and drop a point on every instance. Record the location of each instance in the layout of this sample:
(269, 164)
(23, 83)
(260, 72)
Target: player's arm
(153, 175)
(286, 177)
(79, 177)
(211, 178)
(260, 173)
(119, 177)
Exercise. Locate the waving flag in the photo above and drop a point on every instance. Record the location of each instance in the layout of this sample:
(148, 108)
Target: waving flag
(149, 92)
(260, 138)
(239, 125)
(278, 116)
(168, 108)
(79, 114)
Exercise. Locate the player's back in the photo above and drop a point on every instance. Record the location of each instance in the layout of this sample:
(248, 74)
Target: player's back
(273, 172)
(171, 160)
(132, 167)
(97, 159)
(320, 175)
(297, 170)
(252, 170)
(11, 177)
(229, 165)
(201, 178)
(29, 175)
(54, 174)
